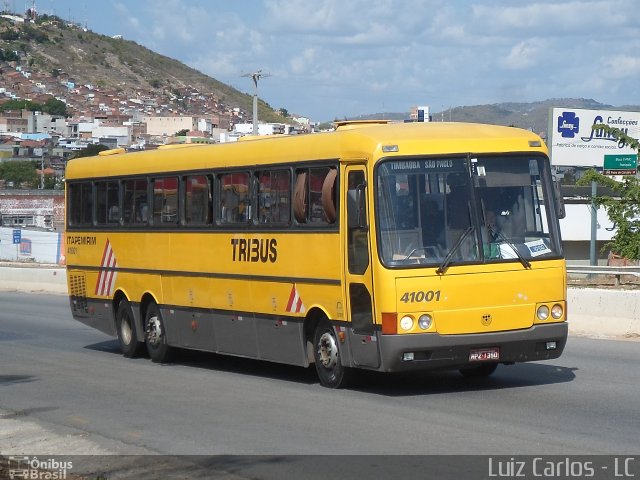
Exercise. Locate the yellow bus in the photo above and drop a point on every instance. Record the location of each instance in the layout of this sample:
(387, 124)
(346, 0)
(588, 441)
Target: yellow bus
(388, 247)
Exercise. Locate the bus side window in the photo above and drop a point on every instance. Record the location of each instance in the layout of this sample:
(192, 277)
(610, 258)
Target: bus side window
(316, 180)
(300, 197)
(197, 200)
(165, 200)
(314, 195)
(108, 202)
(329, 194)
(80, 203)
(273, 196)
(135, 201)
(235, 200)
(358, 251)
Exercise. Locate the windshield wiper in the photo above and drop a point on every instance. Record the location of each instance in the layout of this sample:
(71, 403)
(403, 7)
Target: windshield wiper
(496, 233)
(447, 260)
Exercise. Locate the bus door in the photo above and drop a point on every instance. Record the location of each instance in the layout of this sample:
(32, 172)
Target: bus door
(364, 340)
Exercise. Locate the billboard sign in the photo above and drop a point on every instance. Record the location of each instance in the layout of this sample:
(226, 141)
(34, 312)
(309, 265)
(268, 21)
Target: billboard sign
(573, 141)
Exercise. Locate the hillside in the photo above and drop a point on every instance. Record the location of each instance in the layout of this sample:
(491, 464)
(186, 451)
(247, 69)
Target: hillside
(533, 116)
(56, 54)
(53, 48)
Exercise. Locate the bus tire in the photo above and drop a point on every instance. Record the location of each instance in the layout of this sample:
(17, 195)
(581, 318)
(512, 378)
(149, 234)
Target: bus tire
(479, 371)
(331, 372)
(155, 335)
(126, 328)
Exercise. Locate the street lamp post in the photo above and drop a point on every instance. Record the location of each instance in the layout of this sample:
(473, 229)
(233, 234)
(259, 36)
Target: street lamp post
(255, 76)
(42, 170)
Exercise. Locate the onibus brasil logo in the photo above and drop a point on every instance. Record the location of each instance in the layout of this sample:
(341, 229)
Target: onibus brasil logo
(23, 467)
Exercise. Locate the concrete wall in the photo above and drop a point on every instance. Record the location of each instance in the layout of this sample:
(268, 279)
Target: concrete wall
(593, 312)
(604, 312)
(35, 246)
(33, 278)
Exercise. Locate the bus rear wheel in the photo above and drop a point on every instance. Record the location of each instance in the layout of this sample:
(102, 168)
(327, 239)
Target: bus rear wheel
(155, 336)
(331, 372)
(479, 371)
(127, 333)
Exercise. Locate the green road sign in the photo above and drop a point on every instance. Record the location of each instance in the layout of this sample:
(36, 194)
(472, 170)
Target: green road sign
(620, 164)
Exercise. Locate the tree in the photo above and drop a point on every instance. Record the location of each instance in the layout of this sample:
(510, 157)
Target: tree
(19, 105)
(623, 207)
(51, 182)
(54, 106)
(181, 133)
(19, 172)
(284, 112)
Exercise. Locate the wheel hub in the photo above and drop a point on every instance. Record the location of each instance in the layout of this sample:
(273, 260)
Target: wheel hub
(328, 350)
(126, 330)
(154, 331)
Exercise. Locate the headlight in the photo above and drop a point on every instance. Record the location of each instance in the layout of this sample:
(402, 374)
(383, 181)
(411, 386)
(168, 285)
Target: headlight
(556, 311)
(425, 321)
(406, 323)
(543, 312)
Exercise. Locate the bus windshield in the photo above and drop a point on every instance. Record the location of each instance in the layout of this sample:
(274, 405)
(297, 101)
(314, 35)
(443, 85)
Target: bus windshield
(496, 208)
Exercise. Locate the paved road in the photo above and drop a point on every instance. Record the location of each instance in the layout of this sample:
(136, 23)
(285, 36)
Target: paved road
(70, 381)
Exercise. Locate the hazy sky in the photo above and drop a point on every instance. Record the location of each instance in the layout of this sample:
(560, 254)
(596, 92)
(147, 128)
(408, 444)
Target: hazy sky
(335, 58)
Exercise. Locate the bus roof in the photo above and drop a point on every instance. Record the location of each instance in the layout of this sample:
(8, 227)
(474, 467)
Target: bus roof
(371, 142)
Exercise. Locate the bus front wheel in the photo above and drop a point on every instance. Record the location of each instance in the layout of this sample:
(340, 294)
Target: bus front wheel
(155, 336)
(331, 372)
(126, 327)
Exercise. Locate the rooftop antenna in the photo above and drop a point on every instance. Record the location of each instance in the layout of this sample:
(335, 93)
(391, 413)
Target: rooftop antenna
(255, 76)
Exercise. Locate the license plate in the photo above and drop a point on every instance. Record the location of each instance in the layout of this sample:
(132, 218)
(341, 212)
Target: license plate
(484, 354)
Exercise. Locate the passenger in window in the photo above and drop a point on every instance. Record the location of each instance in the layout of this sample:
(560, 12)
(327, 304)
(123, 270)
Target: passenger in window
(114, 214)
(143, 213)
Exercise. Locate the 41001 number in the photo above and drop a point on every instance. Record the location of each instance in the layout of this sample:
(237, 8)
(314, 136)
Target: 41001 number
(420, 296)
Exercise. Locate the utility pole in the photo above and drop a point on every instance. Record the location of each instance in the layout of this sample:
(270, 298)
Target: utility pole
(255, 76)
(593, 259)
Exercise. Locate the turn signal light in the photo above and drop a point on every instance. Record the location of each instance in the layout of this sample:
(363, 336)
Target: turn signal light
(389, 323)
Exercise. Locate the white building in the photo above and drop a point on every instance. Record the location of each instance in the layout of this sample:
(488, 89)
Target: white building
(263, 128)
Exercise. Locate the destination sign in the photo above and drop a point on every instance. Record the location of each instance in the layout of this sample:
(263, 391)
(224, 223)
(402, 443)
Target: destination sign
(430, 165)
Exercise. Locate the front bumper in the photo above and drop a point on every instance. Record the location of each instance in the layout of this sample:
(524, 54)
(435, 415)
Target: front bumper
(441, 351)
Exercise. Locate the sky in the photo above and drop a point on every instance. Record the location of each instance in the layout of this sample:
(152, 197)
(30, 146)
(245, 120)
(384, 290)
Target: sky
(331, 59)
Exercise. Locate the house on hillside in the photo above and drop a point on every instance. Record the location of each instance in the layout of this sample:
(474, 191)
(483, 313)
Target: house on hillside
(13, 122)
(169, 125)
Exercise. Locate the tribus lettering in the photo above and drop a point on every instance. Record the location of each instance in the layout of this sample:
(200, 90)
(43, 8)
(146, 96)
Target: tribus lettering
(254, 250)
